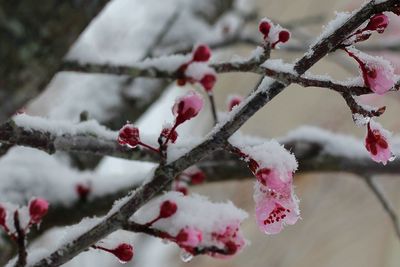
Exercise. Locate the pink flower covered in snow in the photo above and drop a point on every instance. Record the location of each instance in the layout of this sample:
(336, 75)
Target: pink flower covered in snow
(377, 142)
(187, 107)
(276, 203)
(378, 73)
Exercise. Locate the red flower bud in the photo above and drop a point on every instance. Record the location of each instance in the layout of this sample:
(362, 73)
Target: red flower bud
(264, 27)
(129, 135)
(284, 36)
(234, 101)
(208, 82)
(124, 252)
(197, 177)
(202, 53)
(166, 132)
(38, 208)
(167, 209)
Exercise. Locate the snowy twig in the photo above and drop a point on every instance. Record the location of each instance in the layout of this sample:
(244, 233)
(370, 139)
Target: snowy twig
(385, 203)
(140, 228)
(163, 175)
(251, 65)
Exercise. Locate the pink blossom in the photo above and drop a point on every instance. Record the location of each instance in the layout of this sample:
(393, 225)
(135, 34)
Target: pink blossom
(377, 143)
(38, 208)
(378, 74)
(187, 107)
(276, 203)
(129, 135)
(189, 237)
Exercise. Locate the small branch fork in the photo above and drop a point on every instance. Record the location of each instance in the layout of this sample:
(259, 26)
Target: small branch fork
(164, 174)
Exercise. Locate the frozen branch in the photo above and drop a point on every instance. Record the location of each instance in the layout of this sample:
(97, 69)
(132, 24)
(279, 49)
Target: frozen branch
(217, 139)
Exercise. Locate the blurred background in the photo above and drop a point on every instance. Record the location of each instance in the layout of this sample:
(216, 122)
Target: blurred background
(342, 223)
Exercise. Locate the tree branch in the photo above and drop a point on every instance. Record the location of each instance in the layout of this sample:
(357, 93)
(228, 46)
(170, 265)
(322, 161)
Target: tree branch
(163, 175)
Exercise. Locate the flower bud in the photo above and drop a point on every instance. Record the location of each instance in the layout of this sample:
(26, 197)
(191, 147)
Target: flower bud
(202, 53)
(208, 81)
(124, 252)
(129, 135)
(167, 209)
(38, 208)
(187, 107)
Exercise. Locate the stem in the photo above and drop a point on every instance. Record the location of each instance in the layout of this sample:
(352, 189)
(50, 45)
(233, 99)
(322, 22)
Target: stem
(22, 254)
(213, 107)
(149, 147)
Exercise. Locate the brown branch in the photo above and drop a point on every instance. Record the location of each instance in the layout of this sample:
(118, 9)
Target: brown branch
(22, 254)
(163, 175)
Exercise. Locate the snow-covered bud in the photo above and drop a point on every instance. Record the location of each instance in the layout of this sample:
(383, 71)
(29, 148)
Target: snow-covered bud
(187, 107)
(129, 135)
(233, 101)
(264, 27)
(378, 74)
(182, 188)
(189, 237)
(202, 53)
(83, 190)
(3, 215)
(38, 208)
(208, 81)
(167, 209)
(378, 22)
(377, 142)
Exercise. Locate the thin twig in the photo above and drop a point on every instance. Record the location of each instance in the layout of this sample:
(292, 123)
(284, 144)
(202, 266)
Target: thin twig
(213, 107)
(22, 254)
(384, 202)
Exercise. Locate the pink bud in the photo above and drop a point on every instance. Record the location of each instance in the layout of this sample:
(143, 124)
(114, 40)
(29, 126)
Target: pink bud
(202, 53)
(284, 36)
(3, 215)
(38, 208)
(234, 101)
(376, 142)
(129, 135)
(167, 209)
(378, 23)
(83, 191)
(264, 27)
(208, 81)
(189, 237)
(187, 107)
(124, 252)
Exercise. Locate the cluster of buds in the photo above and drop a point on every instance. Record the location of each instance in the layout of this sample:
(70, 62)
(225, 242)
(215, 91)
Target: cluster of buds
(273, 34)
(192, 175)
(377, 23)
(124, 251)
(197, 69)
(377, 143)
(24, 218)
